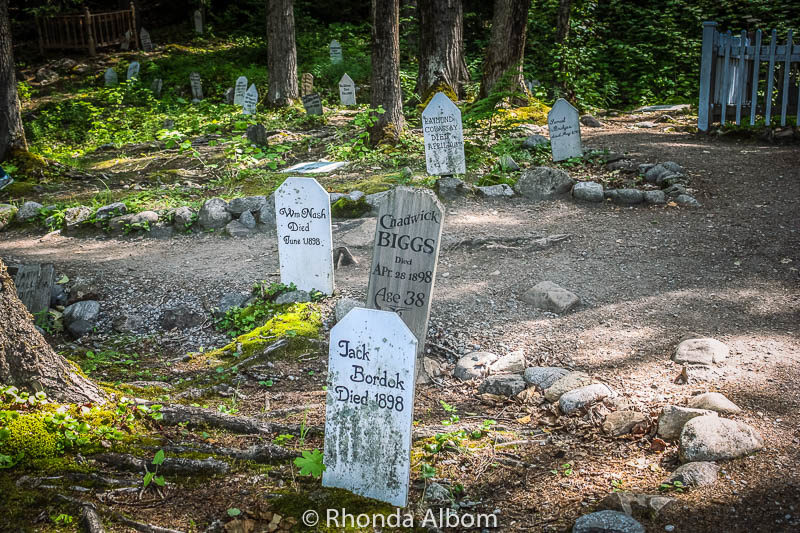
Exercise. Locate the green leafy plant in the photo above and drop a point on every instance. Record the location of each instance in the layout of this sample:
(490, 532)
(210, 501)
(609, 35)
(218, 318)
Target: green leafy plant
(427, 471)
(674, 486)
(310, 463)
(234, 512)
(565, 470)
(153, 477)
(454, 418)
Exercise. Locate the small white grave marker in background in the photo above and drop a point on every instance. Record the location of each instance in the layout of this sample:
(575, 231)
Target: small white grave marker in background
(133, 70)
(239, 90)
(565, 131)
(147, 44)
(336, 51)
(347, 90)
(126, 41)
(111, 77)
(314, 167)
(250, 100)
(198, 21)
(370, 405)
(303, 217)
(313, 104)
(444, 137)
(197, 86)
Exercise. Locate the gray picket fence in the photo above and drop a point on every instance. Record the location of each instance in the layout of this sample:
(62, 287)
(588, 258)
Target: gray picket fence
(731, 81)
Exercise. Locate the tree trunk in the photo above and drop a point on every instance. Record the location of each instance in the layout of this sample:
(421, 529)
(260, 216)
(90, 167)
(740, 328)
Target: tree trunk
(281, 53)
(26, 360)
(506, 46)
(562, 22)
(441, 45)
(386, 91)
(12, 135)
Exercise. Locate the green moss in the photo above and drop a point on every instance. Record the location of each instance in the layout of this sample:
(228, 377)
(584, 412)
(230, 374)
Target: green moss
(534, 113)
(347, 208)
(20, 189)
(371, 185)
(439, 87)
(29, 437)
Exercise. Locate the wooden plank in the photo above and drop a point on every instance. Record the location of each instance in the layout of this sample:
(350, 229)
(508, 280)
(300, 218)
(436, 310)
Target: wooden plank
(770, 78)
(756, 70)
(720, 50)
(740, 82)
(707, 59)
(786, 67)
(34, 285)
(726, 80)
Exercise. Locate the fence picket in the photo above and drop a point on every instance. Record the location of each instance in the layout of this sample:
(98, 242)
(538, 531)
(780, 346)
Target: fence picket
(770, 78)
(786, 68)
(706, 68)
(726, 79)
(740, 82)
(756, 71)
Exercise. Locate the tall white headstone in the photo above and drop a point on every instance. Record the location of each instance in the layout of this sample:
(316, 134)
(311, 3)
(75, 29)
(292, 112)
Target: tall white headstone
(250, 100)
(370, 406)
(565, 131)
(444, 137)
(239, 89)
(336, 51)
(111, 77)
(198, 21)
(197, 86)
(303, 217)
(347, 90)
(147, 44)
(133, 71)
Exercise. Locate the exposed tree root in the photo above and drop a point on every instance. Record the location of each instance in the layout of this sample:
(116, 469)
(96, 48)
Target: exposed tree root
(195, 417)
(264, 453)
(171, 465)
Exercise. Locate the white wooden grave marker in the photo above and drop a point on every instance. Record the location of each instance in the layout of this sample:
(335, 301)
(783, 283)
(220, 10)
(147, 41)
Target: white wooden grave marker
(444, 137)
(147, 44)
(197, 86)
(303, 217)
(313, 104)
(370, 405)
(198, 21)
(239, 90)
(565, 131)
(133, 71)
(110, 77)
(336, 51)
(126, 41)
(347, 90)
(250, 100)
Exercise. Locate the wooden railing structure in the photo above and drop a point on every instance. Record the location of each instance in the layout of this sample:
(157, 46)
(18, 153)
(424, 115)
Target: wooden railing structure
(730, 77)
(87, 31)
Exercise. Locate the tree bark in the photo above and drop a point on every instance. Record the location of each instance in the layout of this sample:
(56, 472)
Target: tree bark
(12, 134)
(441, 45)
(506, 45)
(386, 91)
(26, 360)
(562, 23)
(281, 53)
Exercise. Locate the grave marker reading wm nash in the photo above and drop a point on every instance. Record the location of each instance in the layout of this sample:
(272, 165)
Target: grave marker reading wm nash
(303, 217)
(370, 404)
(565, 131)
(239, 90)
(444, 137)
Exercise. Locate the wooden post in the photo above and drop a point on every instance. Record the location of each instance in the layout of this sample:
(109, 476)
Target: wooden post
(89, 32)
(740, 77)
(756, 71)
(770, 77)
(726, 79)
(786, 66)
(41, 34)
(706, 61)
(134, 31)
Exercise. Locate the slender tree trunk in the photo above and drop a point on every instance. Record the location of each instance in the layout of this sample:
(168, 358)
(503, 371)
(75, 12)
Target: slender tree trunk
(506, 45)
(12, 134)
(281, 53)
(26, 360)
(562, 22)
(386, 91)
(441, 45)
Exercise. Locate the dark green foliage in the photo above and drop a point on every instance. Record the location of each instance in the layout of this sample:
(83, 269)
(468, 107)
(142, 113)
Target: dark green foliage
(347, 208)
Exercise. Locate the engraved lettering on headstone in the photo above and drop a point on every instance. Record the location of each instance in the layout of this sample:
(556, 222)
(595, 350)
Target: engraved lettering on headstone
(444, 137)
(347, 90)
(565, 131)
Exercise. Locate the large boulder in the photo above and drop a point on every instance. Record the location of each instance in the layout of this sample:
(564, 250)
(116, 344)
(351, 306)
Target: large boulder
(503, 385)
(542, 377)
(495, 191)
(474, 365)
(234, 228)
(696, 474)
(607, 522)
(588, 191)
(711, 438)
(532, 141)
(580, 398)
(344, 306)
(550, 297)
(74, 217)
(673, 418)
(229, 301)
(28, 211)
(180, 317)
(572, 381)
(625, 196)
(702, 351)
(621, 423)
(110, 211)
(511, 363)
(544, 183)
(247, 220)
(451, 188)
(237, 206)
(80, 318)
(714, 401)
(655, 197)
(266, 215)
(7, 213)
(183, 218)
(214, 214)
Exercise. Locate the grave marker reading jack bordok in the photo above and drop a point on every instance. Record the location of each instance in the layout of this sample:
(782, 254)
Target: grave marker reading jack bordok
(336, 51)
(239, 90)
(347, 90)
(313, 104)
(404, 258)
(305, 240)
(370, 406)
(444, 137)
(250, 100)
(197, 86)
(565, 131)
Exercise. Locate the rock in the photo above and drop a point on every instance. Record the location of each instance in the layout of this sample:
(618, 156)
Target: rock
(644, 167)
(625, 196)
(133, 222)
(247, 220)
(111, 210)
(712, 438)
(495, 191)
(673, 418)
(543, 183)
(28, 211)
(7, 213)
(503, 385)
(656, 173)
(687, 201)
(589, 120)
(237, 206)
(234, 228)
(702, 351)
(642, 506)
(214, 214)
(607, 522)
(266, 214)
(437, 494)
(714, 401)
(355, 196)
(75, 216)
(508, 164)
(257, 134)
(80, 318)
(230, 301)
(357, 233)
(129, 323)
(696, 474)
(180, 317)
(654, 197)
(621, 423)
(474, 365)
(588, 191)
(533, 141)
(58, 296)
(675, 190)
(624, 165)
(375, 200)
(524, 130)
(571, 381)
(451, 188)
(293, 297)
(577, 399)
(161, 230)
(645, 124)
(344, 306)
(183, 218)
(512, 363)
(550, 297)
(542, 377)
(81, 290)
(46, 76)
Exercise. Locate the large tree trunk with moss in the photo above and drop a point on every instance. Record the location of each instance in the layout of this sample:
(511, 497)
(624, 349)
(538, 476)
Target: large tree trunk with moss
(506, 46)
(12, 135)
(281, 53)
(386, 91)
(27, 361)
(441, 46)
